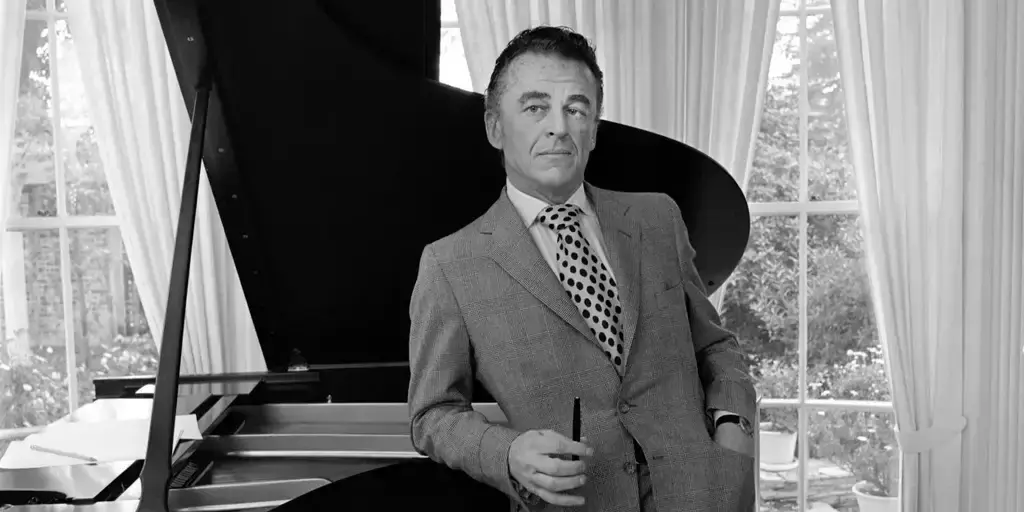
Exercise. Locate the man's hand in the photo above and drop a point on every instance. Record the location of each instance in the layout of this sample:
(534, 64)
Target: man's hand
(732, 437)
(535, 460)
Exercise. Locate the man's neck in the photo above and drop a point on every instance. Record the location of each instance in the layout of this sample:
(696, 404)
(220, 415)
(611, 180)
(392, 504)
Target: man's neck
(559, 196)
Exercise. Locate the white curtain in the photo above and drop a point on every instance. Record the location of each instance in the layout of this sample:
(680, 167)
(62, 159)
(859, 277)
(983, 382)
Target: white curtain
(12, 32)
(142, 127)
(935, 102)
(695, 71)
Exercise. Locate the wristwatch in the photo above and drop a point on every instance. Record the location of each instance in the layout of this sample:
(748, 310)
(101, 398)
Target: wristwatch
(738, 420)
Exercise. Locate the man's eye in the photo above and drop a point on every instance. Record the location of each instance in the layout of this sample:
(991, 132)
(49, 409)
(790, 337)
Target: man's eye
(533, 109)
(577, 112)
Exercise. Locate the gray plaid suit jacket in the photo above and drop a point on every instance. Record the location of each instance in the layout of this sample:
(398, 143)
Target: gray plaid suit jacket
(487, 306)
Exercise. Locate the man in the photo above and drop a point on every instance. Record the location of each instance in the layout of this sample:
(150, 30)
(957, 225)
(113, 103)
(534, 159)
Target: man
(563, 289)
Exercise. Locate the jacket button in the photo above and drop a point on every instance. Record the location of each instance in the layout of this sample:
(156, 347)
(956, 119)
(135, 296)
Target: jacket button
(623, 407)
(629, 468)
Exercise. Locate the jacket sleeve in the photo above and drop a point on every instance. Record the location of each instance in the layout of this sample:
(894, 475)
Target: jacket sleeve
(726, 379)
(444, 425)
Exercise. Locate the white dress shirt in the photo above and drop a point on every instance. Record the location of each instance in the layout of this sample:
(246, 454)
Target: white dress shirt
(546, 238)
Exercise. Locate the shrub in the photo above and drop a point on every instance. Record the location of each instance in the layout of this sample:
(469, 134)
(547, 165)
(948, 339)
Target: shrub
(777, 379)
(35, 385)
(862, 443)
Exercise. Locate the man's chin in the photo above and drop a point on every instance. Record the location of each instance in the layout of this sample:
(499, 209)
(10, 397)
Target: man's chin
(556, 176)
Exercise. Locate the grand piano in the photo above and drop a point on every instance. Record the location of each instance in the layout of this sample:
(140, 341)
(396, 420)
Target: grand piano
(334, 155)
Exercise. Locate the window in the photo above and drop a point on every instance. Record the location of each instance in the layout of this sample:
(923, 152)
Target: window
(454, 70)
(800, 301)
(70, 308)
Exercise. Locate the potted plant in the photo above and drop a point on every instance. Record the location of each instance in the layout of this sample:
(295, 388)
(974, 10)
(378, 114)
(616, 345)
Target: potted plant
(866, 450)
(777, 436)
(778, 426)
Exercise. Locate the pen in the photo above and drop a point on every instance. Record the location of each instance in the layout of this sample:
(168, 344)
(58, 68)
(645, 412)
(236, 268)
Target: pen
(62, 453)
(576, 422)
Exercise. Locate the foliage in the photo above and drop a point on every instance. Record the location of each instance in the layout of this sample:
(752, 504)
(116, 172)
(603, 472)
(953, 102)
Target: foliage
(862, 443)
(34, 386)
(776, 379)
(762, 299)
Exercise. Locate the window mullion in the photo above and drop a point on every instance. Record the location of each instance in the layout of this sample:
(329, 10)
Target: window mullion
(803, 415)
(60, 185)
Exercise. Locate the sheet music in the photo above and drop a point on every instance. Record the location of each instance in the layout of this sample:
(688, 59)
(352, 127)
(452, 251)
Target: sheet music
(105, 441)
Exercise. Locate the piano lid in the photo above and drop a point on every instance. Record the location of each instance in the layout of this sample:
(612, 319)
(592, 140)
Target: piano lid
(334, 156)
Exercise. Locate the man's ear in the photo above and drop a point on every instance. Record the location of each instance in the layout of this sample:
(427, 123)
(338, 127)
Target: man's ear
(493, 128)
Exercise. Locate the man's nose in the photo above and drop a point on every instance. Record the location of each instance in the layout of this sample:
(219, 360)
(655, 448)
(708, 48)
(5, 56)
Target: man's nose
(557, 125)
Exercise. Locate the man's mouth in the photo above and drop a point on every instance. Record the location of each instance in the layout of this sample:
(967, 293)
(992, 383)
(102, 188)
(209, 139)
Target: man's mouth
(556, 152)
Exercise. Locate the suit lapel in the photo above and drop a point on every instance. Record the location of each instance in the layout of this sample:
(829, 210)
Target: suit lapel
(516, 252)
(621, 235)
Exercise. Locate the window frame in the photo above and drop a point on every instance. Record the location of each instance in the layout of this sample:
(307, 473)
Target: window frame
(63, 221)
(804, 208)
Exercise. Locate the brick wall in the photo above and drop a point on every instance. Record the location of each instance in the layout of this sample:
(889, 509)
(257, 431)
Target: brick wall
(99, 312)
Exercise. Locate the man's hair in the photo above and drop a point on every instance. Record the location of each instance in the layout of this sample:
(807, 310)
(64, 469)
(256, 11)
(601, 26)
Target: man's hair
(544, 40)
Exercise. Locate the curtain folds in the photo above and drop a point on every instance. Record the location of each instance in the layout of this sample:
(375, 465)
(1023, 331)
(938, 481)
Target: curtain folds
(142, 126)
(12, 34)
(935, 101)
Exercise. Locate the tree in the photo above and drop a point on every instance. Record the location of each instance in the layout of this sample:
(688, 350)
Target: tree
(761, 300)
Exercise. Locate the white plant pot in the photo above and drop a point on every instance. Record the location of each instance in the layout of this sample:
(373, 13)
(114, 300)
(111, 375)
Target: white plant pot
(777, 447)
(871, 503)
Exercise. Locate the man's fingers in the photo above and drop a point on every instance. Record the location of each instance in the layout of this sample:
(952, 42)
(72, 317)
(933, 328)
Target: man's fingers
(554, 498)
(558, 467)
(558, 483)
(554, 443)
(566, 446)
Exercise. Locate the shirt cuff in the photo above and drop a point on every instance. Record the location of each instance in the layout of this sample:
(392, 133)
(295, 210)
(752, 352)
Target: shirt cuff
(719, 413)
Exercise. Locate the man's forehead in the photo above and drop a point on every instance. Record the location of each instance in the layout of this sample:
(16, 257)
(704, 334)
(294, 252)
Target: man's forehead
(536, 67)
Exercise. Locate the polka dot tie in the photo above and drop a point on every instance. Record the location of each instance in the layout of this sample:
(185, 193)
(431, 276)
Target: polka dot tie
(586, 280)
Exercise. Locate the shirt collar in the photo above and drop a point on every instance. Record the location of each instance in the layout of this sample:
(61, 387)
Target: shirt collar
(529, 207)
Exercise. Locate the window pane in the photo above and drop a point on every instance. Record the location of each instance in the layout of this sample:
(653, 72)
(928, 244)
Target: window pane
(844, 352)
(111, 336)
(790, 4)
(775, 171)
(777, 447)
(61, 7)
(448, 13)
(850, 449)
(32, 173)
(35, 5)
(454, 70)
(33, 371)
(830, 173)
(87, 189)
(760, 304)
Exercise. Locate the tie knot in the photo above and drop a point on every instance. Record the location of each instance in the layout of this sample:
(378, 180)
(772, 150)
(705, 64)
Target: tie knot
(559, 217)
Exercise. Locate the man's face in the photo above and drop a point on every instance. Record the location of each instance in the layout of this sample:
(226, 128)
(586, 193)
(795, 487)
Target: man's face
(546, 124)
